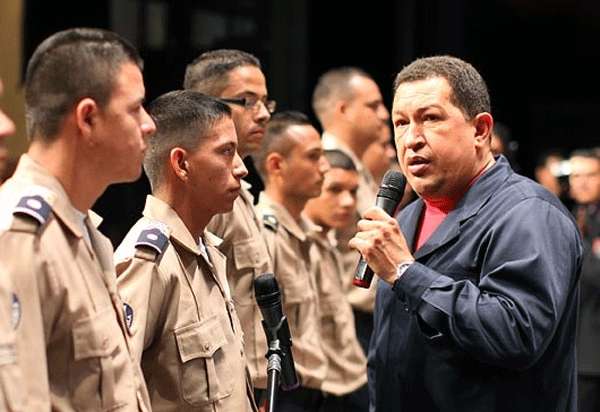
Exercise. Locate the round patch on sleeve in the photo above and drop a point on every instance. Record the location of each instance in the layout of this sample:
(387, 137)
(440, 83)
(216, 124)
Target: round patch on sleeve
(128, 310)
(15, 314)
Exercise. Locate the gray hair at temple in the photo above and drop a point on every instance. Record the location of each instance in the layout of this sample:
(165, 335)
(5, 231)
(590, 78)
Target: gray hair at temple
(469, 91)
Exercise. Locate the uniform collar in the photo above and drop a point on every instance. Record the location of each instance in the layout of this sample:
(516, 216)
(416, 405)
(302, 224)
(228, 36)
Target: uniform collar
(297, 229)
(160, 211)
(245, 192)
(332, 142)
(32, 173)
(326, 240)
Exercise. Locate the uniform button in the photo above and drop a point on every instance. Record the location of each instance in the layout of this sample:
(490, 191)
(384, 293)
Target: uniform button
(406, 308)
(206, 346)
(105, 343)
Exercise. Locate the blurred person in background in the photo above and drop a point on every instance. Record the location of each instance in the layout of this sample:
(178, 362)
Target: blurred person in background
(292, 166)
(7, 127)
(584, 183)
(380, 156)
(349, 106)
(503, 144)
(345, 384)
(552, 171)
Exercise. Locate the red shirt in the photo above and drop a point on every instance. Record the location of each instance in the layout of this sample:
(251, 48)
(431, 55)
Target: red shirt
(437, 210)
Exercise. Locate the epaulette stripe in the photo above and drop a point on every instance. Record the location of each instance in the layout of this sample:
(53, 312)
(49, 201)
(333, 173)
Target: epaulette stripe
(153, 238)
(34, 206)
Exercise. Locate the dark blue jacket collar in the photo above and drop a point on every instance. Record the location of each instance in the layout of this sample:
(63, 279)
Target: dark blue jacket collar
(475, 198)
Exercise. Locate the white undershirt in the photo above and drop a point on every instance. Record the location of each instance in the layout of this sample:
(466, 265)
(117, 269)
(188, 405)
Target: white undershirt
(81, 218)
(203, 250)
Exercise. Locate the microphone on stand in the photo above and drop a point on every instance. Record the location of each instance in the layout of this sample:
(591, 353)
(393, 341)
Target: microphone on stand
(388, 198)
(277, 330)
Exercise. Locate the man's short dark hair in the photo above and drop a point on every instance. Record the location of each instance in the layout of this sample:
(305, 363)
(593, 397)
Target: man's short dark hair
(592, 153)
(209, 72)
(334, 85)
(183, 119)
(276, 139)
(468, 89)
(67, 67)
(542, 159)
(339, 160)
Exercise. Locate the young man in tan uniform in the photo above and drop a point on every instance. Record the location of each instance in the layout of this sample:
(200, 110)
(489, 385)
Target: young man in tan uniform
(172, 276)
(350, 108)
(77, 342)
(346, 378)
(235, 77)
(11, 380)
(292, 165)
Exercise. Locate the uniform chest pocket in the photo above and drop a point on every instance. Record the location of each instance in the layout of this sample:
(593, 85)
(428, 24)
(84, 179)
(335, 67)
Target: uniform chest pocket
(205, 375)
(95, 367)
(248, 254)
(297, 285)
(11, 380)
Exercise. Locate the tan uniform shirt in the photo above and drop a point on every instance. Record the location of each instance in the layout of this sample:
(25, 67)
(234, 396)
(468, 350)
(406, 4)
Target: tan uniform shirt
(347, 369)
(247, 257)
(360, 298)
(295, 266)
(81, 324)
(11, 380)
(185, 327)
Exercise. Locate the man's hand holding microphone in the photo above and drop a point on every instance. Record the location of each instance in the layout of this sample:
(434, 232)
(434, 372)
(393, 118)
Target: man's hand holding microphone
(379, 239)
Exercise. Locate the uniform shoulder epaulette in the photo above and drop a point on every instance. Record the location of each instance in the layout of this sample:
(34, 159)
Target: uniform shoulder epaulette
(33, 206)
(154, 236)
(271, 222)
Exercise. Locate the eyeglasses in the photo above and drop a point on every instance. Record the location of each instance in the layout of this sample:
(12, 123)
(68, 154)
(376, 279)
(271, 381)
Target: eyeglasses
(252, 103)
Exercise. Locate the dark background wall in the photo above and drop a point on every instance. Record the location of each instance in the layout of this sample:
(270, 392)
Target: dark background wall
(538, 57)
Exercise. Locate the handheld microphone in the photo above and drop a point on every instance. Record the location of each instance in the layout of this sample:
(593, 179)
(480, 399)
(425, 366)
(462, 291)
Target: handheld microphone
(388, 197)
(276, 327)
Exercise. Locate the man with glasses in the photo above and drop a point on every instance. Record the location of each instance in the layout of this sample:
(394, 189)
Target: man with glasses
(236, 78)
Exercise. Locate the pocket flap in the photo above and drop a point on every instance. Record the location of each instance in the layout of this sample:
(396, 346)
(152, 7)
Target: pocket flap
(200, 339)
(247, 254)
(92, 335)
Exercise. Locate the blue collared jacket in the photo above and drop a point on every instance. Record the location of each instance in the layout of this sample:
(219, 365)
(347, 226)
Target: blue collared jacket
(485, 319)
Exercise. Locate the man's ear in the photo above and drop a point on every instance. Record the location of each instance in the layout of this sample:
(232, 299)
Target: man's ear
(274, 163)
(86, 116)
(341, 107)
(483, 123)
(178, 162)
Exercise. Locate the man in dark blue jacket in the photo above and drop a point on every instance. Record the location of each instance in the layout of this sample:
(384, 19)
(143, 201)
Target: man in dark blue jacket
(478, 305)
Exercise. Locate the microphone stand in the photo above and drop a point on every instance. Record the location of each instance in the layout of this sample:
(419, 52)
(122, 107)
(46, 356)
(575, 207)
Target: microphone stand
(274, 355)
(278, 353)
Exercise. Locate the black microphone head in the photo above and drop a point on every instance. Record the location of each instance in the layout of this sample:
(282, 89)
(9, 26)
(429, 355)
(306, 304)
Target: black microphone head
(394, 178)
(392, 185)
(266, 290)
